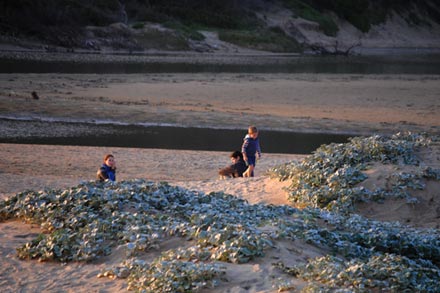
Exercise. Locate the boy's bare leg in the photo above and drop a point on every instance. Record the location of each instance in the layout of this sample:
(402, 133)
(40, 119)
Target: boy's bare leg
(249, 171)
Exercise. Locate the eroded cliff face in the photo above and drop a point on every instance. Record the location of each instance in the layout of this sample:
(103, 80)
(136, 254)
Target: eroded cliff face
(396, 33)
(393, 36)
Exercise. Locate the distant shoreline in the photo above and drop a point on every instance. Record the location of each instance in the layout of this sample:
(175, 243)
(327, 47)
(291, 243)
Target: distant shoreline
(142, 56)
(98, 123)
(190, 62)
(80, 55)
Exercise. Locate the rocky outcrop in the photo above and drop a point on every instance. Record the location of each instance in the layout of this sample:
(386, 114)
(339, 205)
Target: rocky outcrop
(394, 34)
(117, 36)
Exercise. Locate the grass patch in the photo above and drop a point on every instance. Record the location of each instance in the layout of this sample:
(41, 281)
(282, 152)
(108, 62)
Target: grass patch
(303, 10)
(156, 39)
(189, 32)
(273, 40)
(138, 25)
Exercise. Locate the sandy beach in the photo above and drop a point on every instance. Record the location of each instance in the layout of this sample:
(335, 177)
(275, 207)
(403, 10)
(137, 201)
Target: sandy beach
(352, 104)
(338, 103)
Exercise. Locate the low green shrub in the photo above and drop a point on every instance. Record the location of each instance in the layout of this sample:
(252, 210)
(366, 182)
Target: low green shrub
(303, 10)
(273, 40)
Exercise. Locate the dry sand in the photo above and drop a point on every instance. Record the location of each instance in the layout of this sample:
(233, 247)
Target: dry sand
(40, 166)
(362, 104)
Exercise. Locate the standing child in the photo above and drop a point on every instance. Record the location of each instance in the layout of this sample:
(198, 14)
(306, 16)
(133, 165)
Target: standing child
(108, 169)
(251, 149)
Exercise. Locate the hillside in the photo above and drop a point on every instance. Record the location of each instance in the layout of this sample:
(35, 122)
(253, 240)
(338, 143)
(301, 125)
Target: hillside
(340, 27)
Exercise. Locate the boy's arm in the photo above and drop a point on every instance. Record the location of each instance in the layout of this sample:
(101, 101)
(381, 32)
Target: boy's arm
(243, 150)
(245, 158)
(102, 174)
(258, 150)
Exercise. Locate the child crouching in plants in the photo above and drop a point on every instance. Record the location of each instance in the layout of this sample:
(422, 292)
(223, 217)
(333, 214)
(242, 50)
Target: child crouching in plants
(108, 169)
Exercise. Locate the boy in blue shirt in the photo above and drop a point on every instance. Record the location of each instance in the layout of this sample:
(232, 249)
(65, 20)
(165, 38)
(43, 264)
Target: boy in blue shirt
(108, 169)
(251, 150)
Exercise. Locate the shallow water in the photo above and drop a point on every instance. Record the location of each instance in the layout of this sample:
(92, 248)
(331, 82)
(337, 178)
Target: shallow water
(163, 137)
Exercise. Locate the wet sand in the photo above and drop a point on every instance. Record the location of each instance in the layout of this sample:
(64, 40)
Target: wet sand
(354, 104)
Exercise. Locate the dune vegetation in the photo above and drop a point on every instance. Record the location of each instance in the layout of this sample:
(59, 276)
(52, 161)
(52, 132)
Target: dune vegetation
(92, 220)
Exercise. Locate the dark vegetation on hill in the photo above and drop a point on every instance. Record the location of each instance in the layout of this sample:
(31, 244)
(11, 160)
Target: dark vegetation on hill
(63, 22)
